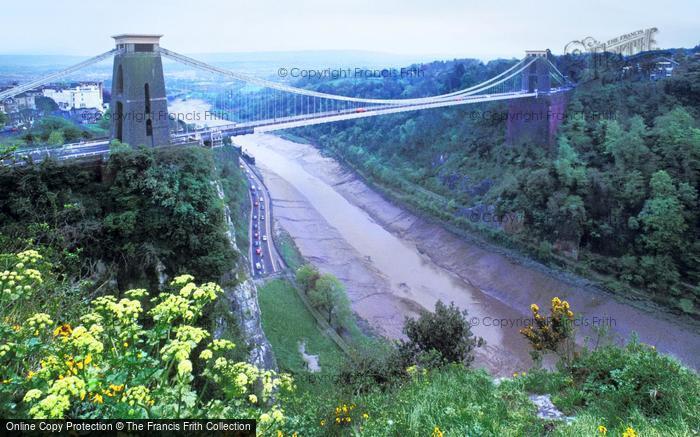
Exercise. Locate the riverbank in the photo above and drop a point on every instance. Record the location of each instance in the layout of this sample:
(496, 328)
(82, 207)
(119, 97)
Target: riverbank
(394, 262)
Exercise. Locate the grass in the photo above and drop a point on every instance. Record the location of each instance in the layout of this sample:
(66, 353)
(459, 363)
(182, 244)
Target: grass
(289, 251)
(287, 322)
(615, 387)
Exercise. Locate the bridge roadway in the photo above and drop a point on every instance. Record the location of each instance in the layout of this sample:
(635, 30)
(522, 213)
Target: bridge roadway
(101, 146)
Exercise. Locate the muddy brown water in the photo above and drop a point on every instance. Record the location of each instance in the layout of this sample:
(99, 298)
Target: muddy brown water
(393, 263)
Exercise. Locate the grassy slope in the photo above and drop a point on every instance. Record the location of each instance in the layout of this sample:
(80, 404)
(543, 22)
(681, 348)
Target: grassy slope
(286, 322)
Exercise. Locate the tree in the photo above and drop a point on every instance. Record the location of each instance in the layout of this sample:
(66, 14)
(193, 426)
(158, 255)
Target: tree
(662, 217)
(678, 143)
(6, 151)
(445, 331)
(3, 119)
(328, 296)
(56, 138)
(307, 275)
(45, 104)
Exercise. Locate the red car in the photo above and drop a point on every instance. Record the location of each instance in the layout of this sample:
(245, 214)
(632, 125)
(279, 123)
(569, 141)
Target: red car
(258, 251)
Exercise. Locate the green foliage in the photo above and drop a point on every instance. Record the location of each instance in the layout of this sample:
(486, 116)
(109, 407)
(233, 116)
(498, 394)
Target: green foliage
(377, 365)
(148, 207)
(446, 332)
(235, 187)
(132, 357)
(306, 277)
(551, 333)
(616, 383)
(287, 323)
(54, 131)
(590, 197)
(662, 216)
(6, 151)
(326, 294)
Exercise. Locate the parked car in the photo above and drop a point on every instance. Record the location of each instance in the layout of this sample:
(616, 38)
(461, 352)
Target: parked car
(264, 237)
(262, 217)
(255, 235)
(258, 251)
(255, 217)
(256, 203)
(255, 226)
(262, 206)
(258, 266)
(256, 243)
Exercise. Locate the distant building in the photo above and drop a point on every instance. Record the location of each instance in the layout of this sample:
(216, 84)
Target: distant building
(662, 68)
(19, 102)
(76, 95)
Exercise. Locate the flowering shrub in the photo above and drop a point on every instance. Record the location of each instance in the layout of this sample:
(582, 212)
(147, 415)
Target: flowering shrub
(109, 365)
(20, 277)
(551, 333)
(345, 418)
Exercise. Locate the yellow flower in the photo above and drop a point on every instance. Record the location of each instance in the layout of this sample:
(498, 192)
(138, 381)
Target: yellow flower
(97, 398)
(31, 374)
(629, 432)
(323, 422)
(184, 367)
(437, 432)
(365, 416)
(337, 420)
(602, 429)
(253, 399)
(116, 388)
(534, 308)
(64, 330)
(32, 395)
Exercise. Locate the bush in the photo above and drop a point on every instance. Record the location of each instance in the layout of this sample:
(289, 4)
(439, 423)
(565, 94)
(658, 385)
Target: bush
(445, 332)
(377, 366)
(553, 333)
(126, 358)
(616, 382)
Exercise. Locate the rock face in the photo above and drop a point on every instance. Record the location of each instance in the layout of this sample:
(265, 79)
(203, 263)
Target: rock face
(243, 301)
(547, 410)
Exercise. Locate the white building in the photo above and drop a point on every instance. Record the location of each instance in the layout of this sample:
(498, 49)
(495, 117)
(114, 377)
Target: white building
(76, 96)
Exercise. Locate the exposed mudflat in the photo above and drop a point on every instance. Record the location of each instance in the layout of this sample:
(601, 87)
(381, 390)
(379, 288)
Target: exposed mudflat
(394, 262)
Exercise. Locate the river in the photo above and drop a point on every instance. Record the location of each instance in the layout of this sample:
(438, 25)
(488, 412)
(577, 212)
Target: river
(393, 263)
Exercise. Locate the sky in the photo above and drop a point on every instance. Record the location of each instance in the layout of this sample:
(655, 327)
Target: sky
(444, 28)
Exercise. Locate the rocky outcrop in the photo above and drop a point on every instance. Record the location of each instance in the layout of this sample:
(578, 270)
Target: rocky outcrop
(243, 301)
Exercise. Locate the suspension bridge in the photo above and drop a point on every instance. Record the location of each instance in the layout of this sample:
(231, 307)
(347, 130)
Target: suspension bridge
(139, 114)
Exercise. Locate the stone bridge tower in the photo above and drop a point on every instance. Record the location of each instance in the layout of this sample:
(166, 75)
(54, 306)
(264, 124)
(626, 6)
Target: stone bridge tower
(139, 106)
(536, 119)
